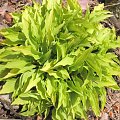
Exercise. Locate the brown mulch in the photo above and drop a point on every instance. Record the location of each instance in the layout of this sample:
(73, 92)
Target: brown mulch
(112, 108)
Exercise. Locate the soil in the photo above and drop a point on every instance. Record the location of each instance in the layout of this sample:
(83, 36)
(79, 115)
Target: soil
(112, 108)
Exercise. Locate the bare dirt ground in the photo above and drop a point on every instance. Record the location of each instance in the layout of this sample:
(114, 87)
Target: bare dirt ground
(112, 108)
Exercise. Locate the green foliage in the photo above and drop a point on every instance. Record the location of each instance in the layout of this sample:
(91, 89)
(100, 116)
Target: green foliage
(54, 56)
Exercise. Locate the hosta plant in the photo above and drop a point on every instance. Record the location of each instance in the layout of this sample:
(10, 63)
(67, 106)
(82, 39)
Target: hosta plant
(57, 60)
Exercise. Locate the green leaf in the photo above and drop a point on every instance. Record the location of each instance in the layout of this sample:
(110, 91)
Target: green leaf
(65, 61)
(27, 30)
(11, 73)
(74, 88)
(58, 28)
(64, 73)
(45, 57)
(48, 25)
(16, 17)
(99, 14)
(16, 64)
(31, 83)
(107, 81)
(4, 73)
(12, 35)
(7, 53)
(26, 50)
(54, 74)
(62, 97)
(102, 92)
(41, 89)
(81, 58)
(94, 101)
(61, 51)
(25, 21)
(94, 64)
(22, 83)
(72, 4)
(24, 99)
(8, 87)
(28, 67)
(2, 50)
(20, 101)
(51, 89)
(80, 111)
(2, 68)
(46, 66)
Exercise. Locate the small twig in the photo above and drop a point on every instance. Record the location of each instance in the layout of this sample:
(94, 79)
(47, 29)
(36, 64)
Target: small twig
(112, 5)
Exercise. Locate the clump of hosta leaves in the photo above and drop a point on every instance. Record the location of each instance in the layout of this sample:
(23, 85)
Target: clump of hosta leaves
(56, 59)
